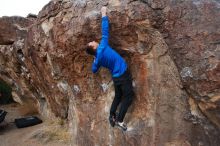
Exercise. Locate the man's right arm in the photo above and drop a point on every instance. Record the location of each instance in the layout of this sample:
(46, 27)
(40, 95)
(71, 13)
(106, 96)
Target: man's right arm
(95, 65)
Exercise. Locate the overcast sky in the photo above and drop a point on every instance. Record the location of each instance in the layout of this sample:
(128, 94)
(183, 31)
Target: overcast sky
(21, 7)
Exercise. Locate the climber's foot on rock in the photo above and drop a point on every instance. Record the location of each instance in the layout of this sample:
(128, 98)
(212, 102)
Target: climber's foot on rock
(121, 125)
(112, 120)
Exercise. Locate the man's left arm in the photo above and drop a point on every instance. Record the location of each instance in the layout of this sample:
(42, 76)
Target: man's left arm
(104, 41)
(105, 29)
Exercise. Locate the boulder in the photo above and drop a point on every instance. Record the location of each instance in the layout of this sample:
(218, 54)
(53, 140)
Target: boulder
(172, 50)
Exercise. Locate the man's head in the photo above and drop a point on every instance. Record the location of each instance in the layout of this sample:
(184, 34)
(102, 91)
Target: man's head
(91, 48)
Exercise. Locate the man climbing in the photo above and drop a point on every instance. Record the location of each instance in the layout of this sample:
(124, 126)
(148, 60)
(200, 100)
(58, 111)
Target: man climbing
(106, 57)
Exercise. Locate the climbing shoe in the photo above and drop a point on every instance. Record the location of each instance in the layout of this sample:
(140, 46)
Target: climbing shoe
(112, 120)
(121, 125)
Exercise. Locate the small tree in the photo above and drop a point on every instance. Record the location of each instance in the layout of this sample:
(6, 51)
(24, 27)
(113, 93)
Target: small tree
(5, 93)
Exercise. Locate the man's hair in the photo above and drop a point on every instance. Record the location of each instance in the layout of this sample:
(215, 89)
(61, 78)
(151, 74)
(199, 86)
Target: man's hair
(90, 50)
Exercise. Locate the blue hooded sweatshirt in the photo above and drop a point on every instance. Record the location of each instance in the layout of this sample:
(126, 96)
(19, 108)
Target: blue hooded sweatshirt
(106, 56)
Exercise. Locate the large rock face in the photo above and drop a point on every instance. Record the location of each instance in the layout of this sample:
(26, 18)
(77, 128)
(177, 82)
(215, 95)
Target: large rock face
(172, 48)
(193, 39)
(13, 70)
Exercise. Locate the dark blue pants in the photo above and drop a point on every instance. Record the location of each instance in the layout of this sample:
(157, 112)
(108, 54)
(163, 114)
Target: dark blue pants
(124, 94)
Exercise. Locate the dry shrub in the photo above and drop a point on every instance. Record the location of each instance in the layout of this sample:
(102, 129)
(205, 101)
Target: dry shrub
(55, 130)
(58, 130)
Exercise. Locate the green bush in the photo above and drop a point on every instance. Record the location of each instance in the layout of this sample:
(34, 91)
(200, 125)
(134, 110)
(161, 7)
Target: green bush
(5, 91)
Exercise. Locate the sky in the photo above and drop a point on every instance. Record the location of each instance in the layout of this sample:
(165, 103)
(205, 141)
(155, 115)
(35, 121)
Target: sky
(21, 7)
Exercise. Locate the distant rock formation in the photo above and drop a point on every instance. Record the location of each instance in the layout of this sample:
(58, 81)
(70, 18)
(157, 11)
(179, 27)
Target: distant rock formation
(173, 51)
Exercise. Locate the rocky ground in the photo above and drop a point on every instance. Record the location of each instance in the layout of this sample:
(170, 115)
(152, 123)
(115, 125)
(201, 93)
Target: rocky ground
(38, 135)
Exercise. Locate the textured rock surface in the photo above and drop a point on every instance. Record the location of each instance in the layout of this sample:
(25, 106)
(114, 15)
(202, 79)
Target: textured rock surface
(13, 70)
(12, 29)
(194, 42)
(172, 48)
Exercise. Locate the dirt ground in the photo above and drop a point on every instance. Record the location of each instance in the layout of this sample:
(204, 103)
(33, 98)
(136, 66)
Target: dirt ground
(37, 135)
